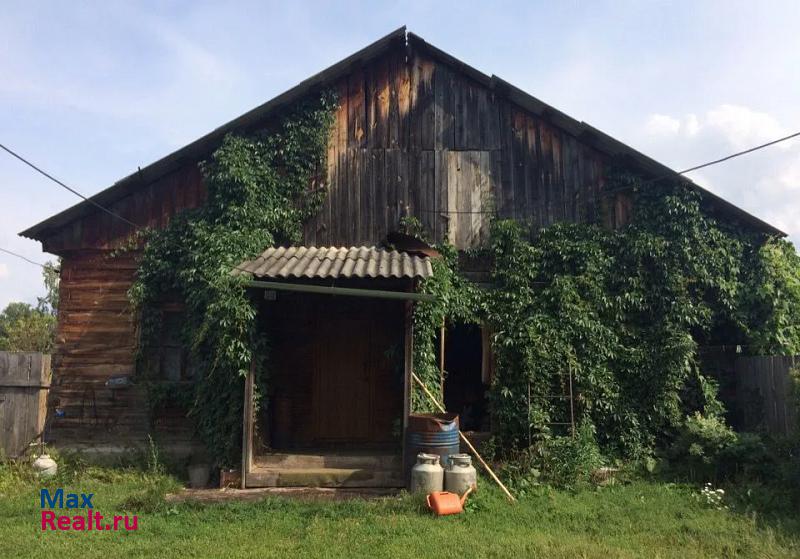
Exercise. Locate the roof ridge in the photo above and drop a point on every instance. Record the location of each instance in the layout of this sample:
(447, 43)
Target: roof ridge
(588, 134)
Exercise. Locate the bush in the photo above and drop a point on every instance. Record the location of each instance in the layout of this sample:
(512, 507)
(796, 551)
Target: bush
(566, 462)
(747, 458)
(700, 443)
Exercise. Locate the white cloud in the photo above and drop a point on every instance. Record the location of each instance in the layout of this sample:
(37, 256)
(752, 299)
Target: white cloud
(691, 125)
(666, 125)
(764, 183)
(661, 125)
(789, 177)
(3, 271)
(743, 127)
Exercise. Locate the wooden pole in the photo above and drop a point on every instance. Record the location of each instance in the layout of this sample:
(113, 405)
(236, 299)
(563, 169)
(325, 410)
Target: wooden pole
(247, 423)
(571, 402)
(441, 358)
(466, 441)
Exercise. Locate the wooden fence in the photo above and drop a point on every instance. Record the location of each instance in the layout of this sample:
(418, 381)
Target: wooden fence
(24, 383)
(765, 394)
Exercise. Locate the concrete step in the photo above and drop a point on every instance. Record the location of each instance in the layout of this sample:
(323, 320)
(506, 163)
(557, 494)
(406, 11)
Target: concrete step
(341, 460)
(323, 477)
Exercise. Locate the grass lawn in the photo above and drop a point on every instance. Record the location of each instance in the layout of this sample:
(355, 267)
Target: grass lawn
(632, 520)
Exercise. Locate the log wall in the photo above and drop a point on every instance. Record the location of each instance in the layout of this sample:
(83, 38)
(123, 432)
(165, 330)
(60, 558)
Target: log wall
(95, 340)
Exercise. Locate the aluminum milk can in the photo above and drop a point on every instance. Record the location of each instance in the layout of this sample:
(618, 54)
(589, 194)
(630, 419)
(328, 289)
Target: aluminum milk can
(460, 475)
(427, 475)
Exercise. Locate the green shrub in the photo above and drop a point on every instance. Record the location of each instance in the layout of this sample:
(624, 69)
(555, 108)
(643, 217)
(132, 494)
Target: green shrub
(700, 442)
(560, 461)
(747, 458)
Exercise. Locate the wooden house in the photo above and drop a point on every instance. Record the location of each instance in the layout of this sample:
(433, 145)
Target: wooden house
(417, 133)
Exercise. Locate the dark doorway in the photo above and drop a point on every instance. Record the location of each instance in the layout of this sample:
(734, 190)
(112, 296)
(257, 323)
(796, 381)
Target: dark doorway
(464, 388)
(335, 381)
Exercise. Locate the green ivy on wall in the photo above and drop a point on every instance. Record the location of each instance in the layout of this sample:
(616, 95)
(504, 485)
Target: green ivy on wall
(457, 300)
(623, 311)
(261, 189)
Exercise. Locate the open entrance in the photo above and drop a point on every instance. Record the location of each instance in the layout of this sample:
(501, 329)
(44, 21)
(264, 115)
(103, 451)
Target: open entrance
(335, 405)
(467, 375)
(337, 372)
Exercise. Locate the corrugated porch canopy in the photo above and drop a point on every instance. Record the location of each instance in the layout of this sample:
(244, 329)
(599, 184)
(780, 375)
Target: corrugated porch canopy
(336, 262)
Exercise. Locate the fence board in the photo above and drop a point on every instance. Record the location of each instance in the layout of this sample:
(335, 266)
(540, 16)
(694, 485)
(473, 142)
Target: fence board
(24, 382)
(764, 393)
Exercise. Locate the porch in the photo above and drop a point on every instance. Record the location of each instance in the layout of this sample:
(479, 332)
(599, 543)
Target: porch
(339, 326)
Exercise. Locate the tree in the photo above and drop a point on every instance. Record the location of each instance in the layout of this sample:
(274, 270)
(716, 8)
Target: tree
(49, 303)
(24, 327)
(31, 330)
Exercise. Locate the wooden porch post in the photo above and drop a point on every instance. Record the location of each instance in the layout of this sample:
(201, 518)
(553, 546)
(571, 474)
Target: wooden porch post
(408, 369)
(247, 426)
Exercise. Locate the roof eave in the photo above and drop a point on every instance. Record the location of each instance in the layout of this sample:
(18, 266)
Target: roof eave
(592, 136)
(204, 145)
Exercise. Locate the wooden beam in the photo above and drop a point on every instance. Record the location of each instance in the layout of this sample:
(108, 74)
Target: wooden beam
(247, 425)
(23, 383)
(408, 362)
(441, 356)
(345, 291)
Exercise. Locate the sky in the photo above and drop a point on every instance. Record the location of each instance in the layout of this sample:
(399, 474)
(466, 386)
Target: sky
(92, 90)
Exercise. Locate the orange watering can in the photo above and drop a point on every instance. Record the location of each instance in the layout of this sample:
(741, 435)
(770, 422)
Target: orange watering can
(444, 502)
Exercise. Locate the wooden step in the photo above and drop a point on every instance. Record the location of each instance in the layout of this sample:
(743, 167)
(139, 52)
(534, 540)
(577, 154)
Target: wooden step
(338, 460)
(324, 477)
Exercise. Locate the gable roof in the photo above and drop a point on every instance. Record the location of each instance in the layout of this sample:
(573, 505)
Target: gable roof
(399, 38)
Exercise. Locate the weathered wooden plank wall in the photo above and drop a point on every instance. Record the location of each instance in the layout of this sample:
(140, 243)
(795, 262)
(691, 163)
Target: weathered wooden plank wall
(421, 139)
(414, 136)
(151, 206)
(96, 339)
(24, 382)
(764, 393)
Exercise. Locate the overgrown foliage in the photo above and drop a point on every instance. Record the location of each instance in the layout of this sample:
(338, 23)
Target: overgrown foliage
(457, 300)
(623, 312)
(260, 191)
(24, 327)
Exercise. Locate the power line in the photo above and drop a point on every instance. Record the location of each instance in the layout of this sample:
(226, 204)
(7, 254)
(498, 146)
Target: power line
(745, 152)
(656, 179)
(62, 185)
(444, 212)
(52, 178)
(23, 257)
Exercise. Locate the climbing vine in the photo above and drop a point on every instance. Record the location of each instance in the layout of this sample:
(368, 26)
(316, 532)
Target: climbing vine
(622, 312)
(457, 300)
(261, 189)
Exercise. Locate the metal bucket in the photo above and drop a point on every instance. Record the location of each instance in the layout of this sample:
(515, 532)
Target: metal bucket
(431, 433)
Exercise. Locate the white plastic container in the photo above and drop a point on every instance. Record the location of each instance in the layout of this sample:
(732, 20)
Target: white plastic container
(45, 466)
(427, 475)
(460, 474)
